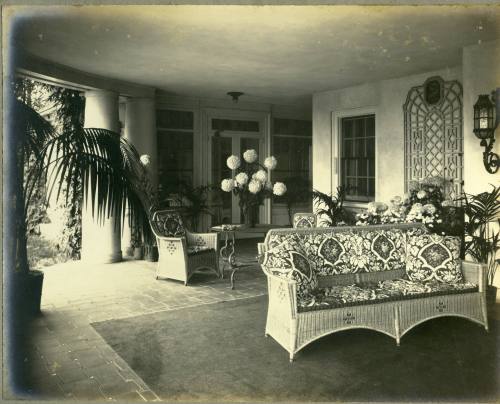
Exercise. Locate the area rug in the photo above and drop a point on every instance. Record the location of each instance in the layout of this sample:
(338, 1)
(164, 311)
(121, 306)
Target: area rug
(218, 352)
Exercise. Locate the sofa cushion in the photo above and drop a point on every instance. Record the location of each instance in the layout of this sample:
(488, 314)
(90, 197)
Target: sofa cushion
(433, 257)
(396, 289)
(288, 260)
(198, 249)
(356, 251)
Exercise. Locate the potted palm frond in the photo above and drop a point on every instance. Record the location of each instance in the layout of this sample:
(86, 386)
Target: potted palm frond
(107, 164)
(482, 237)
(331, 207)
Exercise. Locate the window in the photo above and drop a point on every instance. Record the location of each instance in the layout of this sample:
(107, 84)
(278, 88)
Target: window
(291, 145)
(357, 157)
(175, 149)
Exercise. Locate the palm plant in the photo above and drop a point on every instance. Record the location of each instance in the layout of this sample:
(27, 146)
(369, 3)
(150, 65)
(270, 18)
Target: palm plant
(331, 206)
(482, 241)
(107, 165)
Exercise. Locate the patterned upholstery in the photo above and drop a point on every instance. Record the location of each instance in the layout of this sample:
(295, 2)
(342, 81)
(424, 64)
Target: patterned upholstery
(434, 257)
(169, 224)
(288, 260)
(196, 249)
(182, 253)
(344, 252)
(304, 220)
(397, 289)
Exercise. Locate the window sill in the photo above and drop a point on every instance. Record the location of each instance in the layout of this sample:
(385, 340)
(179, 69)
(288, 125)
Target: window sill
(356, 205)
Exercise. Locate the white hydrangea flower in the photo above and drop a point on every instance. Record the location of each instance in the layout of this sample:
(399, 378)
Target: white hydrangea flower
(270, 162)
(233, 162)
(397, 200)
(242, 178)
(250, 156)
(429, 208)
(260, 175)
(279, 189)
(421, 194)
(227, 185)
(145, 160)
(254, 186)
(416, 209)
(372, 207)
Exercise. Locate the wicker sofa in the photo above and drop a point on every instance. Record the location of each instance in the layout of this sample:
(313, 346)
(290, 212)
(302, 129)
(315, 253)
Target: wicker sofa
(324, 280)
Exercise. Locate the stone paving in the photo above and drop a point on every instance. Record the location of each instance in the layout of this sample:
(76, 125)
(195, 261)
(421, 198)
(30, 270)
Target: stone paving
(69, 360)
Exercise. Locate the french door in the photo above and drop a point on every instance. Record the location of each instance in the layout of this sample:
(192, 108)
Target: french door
(230, 135)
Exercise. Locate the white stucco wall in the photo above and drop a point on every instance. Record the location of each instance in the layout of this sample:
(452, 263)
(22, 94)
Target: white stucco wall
(384, 98)
(481, 75)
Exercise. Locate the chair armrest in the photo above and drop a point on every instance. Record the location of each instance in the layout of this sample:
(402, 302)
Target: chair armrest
(206, 239)
(174, 245)
(475, 273)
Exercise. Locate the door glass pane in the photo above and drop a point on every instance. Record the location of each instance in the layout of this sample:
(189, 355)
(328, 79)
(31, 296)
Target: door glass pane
(221, 150)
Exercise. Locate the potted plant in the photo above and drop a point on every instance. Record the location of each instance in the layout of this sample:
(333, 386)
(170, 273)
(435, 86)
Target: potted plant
(331, 207)
(251, 183)
(102, 157)
(482, 239)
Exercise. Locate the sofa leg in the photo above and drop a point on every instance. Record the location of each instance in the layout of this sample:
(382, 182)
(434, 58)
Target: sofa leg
(266, 335)
(292, 357)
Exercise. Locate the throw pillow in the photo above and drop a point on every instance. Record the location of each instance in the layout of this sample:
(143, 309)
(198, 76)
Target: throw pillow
(431, 256)
(285, 261)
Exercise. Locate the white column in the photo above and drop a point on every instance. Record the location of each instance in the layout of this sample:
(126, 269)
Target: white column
(100, 239)
(140, 131)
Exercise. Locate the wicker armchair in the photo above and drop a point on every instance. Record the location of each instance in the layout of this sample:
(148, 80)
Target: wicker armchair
(182, 253)
(304, 220)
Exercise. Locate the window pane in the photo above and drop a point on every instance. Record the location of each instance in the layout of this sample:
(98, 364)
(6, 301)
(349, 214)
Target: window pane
(293, 155)
(359, 128)
(295, 127)
(235, 125)
(166, 118)
(358, 157)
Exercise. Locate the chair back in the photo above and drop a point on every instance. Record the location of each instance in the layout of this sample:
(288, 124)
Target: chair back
(304, 220)
(168, 223)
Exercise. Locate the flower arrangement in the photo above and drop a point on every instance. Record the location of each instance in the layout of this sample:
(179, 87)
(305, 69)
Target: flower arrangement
(251, 181)
(423, 203)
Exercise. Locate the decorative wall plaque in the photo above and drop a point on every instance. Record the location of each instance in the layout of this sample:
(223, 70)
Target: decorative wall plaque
(433, 134)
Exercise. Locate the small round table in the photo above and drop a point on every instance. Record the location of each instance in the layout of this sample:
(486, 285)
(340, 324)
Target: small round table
(227, 252)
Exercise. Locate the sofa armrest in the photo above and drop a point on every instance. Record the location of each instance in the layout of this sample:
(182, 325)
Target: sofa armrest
(475, 273)
(204, 239)
(282, 294)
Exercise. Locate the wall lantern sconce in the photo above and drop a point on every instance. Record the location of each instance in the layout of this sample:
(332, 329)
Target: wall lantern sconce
(235, 95)
(485, 123)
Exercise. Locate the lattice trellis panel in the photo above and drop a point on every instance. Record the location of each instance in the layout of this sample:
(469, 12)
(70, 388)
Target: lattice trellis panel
(433, 135)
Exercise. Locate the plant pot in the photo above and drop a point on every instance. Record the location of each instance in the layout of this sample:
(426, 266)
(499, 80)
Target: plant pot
(129, 251)
(152, 254)
(491, 296)
(138, 253)
(33, 297)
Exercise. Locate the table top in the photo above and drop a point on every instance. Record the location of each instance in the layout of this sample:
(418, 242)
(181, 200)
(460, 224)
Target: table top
(243, 228)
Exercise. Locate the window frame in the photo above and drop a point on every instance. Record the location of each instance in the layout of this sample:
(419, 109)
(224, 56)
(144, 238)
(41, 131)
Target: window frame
(336, 168)
(294, 136)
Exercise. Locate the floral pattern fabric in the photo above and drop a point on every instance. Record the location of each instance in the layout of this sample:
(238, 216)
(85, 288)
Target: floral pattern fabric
(397, 289)
(434, 257)
(197, 249)
(288, 260)
(169, 224)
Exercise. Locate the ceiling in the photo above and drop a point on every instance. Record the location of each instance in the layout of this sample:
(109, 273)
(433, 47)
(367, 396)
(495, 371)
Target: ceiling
(278, 54)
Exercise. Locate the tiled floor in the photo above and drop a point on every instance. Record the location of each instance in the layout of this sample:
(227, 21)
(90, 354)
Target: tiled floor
(68, 359)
